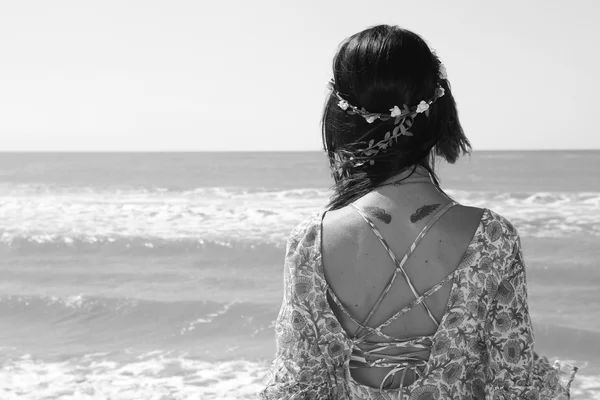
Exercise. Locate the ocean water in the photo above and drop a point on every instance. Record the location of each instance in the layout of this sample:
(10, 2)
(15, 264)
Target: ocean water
(159, 276)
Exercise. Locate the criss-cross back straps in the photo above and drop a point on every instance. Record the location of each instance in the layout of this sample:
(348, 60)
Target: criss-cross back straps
(400, 264)
(378, 330)
(419, 300)
(414, 359)
(402, 363)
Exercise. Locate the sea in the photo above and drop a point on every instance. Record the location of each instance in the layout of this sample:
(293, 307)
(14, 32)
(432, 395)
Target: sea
(158, 276)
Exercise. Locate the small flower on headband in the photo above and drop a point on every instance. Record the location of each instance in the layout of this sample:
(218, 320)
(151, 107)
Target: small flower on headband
(343, 104)
(422, 106)
(394, 112)
(371, 118)
(439, 92)
(442, 74)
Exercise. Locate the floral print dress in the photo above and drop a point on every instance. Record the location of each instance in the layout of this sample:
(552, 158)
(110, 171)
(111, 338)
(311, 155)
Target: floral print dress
(482, 349)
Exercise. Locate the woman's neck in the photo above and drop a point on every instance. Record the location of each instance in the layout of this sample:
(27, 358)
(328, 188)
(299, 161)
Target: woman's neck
(412, 174)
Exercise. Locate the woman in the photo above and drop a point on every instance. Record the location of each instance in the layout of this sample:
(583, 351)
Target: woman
(396, 291)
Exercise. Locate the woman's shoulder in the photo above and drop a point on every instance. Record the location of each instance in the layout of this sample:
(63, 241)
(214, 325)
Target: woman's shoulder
(495, 245)
(497, 227)
(303, 253)
(306, 233)
(309, 225)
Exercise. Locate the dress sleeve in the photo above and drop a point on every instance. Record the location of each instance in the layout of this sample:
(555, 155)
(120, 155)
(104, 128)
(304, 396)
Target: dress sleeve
(514, 370)
(300, 370)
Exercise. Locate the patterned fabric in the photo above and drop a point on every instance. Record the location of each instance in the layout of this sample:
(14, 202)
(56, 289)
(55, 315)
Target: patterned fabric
(482, 349)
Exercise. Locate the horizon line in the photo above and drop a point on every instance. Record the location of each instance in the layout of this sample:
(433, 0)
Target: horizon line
(258, 151)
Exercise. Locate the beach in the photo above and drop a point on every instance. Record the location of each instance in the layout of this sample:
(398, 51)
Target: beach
(159, 275)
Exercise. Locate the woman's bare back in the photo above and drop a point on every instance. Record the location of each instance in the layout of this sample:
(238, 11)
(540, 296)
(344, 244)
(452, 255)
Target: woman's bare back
(358, 268)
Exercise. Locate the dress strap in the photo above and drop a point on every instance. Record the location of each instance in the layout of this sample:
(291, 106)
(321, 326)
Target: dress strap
(344, 310)
(378, 330)
(400, 264)
(419, 300)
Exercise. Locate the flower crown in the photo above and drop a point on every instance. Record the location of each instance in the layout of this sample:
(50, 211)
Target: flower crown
(403, 117)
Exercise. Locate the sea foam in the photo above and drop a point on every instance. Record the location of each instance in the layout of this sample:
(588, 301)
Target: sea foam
(72, 216)
(153, 376)
(156, 375)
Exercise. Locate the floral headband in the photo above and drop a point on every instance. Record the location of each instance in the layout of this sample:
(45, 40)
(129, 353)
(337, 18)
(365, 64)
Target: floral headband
(403, 119)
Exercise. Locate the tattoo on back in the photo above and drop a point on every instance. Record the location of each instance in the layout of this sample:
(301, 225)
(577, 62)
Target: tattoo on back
(379, 213)
(422, 212)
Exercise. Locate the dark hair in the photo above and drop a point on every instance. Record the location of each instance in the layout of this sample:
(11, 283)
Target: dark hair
(376, 69)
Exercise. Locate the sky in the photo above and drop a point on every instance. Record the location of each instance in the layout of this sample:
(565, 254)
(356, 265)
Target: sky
(238, 75)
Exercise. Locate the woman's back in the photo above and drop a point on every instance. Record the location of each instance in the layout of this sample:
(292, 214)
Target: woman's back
(357, 267)
(482, 348)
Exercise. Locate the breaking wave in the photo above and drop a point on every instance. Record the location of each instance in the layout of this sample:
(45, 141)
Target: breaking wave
(45, 214)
